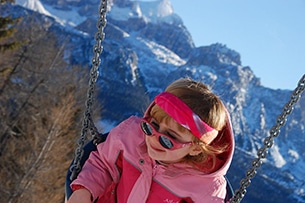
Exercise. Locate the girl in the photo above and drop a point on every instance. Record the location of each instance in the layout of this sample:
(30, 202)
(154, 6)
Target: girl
(178, 152)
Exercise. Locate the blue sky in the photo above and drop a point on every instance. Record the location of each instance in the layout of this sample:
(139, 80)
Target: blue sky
(268, 34)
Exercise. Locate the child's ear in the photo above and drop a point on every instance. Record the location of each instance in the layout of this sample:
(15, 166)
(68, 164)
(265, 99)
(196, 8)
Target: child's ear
(195, 150)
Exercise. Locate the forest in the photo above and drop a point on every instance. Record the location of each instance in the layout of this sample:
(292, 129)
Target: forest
(42, 99)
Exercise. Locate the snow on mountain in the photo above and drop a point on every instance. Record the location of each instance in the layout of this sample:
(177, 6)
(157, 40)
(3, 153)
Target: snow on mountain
(279, 160)
(34, 5)
(161, 53)
(150, 11)
(66, 17)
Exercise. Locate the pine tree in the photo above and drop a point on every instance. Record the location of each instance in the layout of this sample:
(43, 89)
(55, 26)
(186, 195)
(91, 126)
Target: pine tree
(7, 30)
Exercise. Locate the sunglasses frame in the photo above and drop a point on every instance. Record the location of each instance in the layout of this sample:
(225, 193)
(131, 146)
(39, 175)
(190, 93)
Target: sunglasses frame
(163, 139)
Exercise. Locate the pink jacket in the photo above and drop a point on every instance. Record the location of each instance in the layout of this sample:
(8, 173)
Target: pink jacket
(121, 171)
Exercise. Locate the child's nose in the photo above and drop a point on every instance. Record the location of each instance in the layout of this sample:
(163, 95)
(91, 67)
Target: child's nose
(161, 129)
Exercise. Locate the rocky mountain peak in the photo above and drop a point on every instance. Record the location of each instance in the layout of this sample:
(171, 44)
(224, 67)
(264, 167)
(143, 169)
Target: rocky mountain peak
(214, 54)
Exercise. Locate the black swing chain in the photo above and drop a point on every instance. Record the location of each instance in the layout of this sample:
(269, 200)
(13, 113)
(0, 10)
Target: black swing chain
(94, 73)
(268, 142)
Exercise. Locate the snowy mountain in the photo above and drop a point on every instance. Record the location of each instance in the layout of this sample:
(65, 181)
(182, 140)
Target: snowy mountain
(147, 47)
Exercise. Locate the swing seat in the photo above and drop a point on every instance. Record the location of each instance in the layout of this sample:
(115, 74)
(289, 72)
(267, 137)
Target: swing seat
(90, 146)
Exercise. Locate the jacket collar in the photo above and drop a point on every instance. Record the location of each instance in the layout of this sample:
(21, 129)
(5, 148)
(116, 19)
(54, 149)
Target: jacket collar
(171, 170)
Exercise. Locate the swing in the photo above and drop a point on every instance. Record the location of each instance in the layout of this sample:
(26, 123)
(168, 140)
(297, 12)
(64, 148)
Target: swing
(83, 151)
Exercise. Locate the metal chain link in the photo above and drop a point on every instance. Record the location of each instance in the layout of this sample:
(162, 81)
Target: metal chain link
(268, 142)
(94, 73)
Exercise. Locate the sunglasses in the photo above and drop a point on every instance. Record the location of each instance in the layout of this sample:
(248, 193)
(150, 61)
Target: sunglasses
(165, 140)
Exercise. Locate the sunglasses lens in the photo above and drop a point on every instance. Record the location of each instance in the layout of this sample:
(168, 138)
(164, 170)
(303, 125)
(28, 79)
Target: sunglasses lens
(165, 142)
(146, 128)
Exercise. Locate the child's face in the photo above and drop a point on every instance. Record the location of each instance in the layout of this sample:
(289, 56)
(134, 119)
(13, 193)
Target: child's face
(157, 152)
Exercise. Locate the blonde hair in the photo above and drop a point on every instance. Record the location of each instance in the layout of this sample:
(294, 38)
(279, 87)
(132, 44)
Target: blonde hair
(209, 108)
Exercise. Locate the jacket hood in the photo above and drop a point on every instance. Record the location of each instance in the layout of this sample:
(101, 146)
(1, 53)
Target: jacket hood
(223, 160)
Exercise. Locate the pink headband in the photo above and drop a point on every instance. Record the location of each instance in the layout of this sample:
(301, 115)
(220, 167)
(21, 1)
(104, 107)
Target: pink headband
(182, 114)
